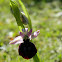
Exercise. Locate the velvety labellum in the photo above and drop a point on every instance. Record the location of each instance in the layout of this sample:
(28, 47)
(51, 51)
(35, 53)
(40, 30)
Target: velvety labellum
(27, 49)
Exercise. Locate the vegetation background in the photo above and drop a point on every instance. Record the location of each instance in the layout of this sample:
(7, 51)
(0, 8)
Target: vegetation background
(46, 16)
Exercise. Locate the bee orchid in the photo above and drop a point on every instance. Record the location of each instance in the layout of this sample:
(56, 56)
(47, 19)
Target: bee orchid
(26, 48)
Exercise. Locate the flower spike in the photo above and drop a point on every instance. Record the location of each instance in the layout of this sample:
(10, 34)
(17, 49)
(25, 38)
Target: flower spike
(26, 48)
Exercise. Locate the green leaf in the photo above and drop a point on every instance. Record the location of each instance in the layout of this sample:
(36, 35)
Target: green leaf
(36, 58)
(26, 13)
(16, 12)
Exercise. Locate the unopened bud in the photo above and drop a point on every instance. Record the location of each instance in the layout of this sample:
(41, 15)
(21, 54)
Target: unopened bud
(24, 18)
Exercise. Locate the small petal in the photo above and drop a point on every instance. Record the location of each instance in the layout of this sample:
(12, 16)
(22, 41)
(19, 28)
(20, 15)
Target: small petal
(21, 34)
(30, 37)
(29, 33)
(25, 30)
(35, 34)
(17, 40)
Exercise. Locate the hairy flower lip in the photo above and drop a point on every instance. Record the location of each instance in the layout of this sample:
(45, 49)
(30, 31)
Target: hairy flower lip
(27, 50)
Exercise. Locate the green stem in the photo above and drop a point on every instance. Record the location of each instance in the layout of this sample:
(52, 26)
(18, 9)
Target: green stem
(36, 58)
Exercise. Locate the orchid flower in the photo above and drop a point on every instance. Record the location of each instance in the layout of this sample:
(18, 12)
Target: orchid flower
(26, 48)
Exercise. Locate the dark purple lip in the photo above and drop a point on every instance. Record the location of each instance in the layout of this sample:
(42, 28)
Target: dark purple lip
(27, 49)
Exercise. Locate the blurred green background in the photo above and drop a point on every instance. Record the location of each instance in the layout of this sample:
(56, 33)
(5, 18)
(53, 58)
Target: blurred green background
(46, 16)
